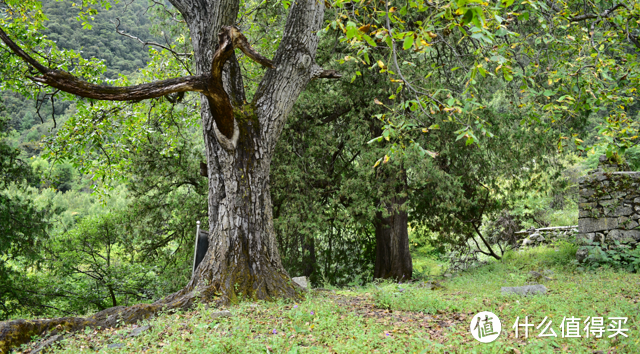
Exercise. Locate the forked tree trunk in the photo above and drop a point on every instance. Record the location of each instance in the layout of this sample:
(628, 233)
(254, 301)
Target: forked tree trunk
(393, 260)
(240, 138)
(243, 258)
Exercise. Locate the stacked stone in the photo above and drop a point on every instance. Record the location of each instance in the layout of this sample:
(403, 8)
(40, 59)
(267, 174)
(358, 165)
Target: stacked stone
(609, 207)
(547, 235)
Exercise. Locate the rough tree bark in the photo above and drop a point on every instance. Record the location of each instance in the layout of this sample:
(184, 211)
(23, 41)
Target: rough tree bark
(393, 259)
(240, 138)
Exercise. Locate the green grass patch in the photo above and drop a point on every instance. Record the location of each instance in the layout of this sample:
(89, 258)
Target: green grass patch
(422, 317)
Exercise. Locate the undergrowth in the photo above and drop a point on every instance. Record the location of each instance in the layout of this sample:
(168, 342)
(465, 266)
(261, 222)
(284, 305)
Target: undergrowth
(431, 315)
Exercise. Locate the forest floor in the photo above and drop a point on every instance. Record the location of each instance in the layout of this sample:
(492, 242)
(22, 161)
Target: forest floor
(421, 317)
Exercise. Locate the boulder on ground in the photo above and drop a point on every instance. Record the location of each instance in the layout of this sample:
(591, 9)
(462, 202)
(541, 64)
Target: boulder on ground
(223, 313)
(136, 332)
(524, 290)
(302, 281)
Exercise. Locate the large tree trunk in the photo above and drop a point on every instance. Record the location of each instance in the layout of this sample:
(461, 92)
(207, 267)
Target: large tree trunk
(242, 258)
(393, 259)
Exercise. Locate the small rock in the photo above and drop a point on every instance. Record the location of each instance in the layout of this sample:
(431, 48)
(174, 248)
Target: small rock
(527, 242)
(537, 276)
(115, 345)
(582, 254)
(524, 290)
(136, 332)
(47, 343)
(223, 313)
(302, 281)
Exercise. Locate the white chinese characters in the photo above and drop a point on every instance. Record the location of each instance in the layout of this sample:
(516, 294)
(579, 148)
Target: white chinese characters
(573, 327)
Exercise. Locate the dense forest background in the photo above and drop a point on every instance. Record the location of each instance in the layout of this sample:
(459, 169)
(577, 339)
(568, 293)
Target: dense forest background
(98, 232)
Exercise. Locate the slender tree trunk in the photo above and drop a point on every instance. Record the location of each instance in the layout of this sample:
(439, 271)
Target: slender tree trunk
(393, 259)
(309, 256)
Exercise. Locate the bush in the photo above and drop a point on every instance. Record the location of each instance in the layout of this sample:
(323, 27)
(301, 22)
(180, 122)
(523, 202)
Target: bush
(618, 256)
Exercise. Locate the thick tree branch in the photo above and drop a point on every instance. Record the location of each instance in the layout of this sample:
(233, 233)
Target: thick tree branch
(68, 83)
(225, 125)
(71, 84)
(329, 74)
(209, 85)
(21, 53)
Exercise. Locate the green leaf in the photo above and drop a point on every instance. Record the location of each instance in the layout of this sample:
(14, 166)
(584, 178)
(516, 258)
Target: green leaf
(507, 3)
(408, 42)
(387, 40)
(370, 41)
(468, 17)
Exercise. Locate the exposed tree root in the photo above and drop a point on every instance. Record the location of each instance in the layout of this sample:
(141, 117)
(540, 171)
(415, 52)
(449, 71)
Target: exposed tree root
(17, 332)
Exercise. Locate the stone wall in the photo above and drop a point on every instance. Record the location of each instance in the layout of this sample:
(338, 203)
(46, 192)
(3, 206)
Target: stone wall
(546, 235)
(609, 208)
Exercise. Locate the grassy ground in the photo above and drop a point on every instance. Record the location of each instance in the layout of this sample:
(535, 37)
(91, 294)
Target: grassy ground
(423, 317)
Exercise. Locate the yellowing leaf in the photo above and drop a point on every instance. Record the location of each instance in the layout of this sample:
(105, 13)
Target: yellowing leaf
(386, 159)
(376, 101)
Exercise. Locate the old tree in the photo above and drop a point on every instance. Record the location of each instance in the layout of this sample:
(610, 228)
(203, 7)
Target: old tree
(240, 138)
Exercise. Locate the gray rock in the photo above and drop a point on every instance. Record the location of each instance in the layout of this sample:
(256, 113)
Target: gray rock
(624, 235)
(136, 332)
(538, 276)
(219, 314)
(622, 211)
(115, 345)
(585, 213)
(582, 254)
(592, 225)
(524, 290)
(47, 343)
(605, 202)
(632, 224)
(302, 281)
(586, 192)
(527, 242)
(586, 238)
